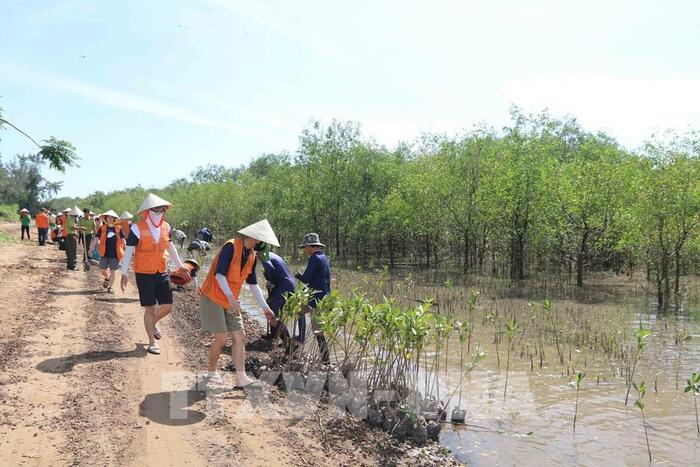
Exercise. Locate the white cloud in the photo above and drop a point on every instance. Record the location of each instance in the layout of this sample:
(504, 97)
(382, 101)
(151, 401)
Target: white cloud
(630, 108)
(121, 100)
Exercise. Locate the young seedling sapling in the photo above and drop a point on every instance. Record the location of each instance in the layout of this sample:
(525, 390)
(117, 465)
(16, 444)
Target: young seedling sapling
(694, 387)
(641, 335)
(641, 391)
(576, 383)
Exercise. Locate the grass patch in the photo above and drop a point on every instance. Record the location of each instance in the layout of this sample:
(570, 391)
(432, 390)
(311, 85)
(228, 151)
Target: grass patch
(8, 212)
(7, 238)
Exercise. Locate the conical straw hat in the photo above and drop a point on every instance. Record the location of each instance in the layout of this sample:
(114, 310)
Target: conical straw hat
(66, 210)
(110, 213)
(24, 210)
(126, 215)
(152, 201)
(262, 231)
(75, 212)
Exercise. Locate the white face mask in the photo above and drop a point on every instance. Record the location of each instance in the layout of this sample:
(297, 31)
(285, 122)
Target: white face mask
(155, 217)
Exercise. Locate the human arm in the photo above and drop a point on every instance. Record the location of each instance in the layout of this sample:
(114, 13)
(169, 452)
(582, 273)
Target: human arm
(174, 255)
(309, 271)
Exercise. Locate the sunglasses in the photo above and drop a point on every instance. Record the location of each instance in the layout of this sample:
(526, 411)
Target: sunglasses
(158, 209)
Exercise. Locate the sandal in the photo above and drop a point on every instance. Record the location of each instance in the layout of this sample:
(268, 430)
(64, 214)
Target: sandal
(110, 290)
(156, 334)
(153, 349)
(105, 283)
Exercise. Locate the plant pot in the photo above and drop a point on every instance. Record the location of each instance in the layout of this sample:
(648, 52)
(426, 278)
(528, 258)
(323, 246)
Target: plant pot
(433, 430)
(458, 415)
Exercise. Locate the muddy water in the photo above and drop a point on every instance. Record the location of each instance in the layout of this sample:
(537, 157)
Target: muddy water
(533, 425)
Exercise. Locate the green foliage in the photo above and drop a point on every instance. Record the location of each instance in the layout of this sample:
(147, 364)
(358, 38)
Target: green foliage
(540, 195)
(9, 212)
(60, 154)
(693, 384)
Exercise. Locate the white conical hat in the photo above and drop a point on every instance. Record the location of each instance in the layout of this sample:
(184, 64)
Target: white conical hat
(75, 212)
(152, 201)
(109, 213)
(66, 210)
(261, 230)
(126, 215)
(24, 210)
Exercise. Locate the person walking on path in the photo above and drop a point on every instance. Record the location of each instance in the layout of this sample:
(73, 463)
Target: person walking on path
(42, 226)
(148, 243)
(112, 245)
(219, 308)
(70, 236)
(86, 226)
(25, 219)
(317, 276)
(280, 282)
(125, 221)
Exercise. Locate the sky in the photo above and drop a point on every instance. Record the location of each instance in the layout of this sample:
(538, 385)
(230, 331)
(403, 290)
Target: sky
(149, 90)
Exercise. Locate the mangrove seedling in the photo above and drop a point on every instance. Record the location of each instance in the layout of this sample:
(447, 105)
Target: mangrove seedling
(682, 336)
(641, 335)
(641, 391)
(511, 329)
(576, 383)
(694, 387)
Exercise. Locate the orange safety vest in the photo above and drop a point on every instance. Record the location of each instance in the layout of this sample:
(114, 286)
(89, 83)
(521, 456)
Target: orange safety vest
(121, 244)
(42, 221)
(235, 277)
(149, 256)
(125, 223)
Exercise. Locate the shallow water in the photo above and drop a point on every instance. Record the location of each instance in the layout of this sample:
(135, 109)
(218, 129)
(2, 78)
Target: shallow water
(533, 426)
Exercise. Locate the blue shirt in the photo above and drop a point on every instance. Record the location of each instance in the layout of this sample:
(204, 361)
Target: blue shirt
(277, 273)
(317, 276)
(225, 258)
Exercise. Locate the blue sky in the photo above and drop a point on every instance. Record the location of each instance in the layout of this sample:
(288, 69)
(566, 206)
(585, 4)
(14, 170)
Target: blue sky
(149, 90)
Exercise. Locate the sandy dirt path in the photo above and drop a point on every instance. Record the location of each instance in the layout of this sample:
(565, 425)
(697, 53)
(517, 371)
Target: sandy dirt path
(78, 388)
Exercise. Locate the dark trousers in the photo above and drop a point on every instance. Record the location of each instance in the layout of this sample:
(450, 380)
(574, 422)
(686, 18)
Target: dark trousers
(81, 238)
(43, 231)
(71, 251)
(25, 228)
(88, 241)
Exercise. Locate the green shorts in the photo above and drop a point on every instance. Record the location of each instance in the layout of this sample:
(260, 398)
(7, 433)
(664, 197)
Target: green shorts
(216, 319)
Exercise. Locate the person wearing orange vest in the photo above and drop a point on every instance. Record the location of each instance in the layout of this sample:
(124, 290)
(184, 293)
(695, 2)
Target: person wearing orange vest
(42, 226)
(219, 308)
(125, 221)
(149, 244)
(112, 245)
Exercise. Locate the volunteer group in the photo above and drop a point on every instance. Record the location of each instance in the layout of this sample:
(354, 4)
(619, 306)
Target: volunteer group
(119, 242)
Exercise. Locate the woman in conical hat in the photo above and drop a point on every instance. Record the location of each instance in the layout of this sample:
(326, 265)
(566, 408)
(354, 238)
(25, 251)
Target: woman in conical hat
(70, 234)
(112, 244)
(220, 310)
(25, 220)
(148, 243)
(125, 220)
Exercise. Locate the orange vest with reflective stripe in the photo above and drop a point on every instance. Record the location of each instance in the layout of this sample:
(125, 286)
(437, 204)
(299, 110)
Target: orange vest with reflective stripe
(235, 277)
(102, 235)
(149, 256)
(42, 221)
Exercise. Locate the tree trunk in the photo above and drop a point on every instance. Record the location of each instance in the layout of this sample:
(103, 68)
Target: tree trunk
(427, 252)
(466, 251)
(679, 262)
(581, 257)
